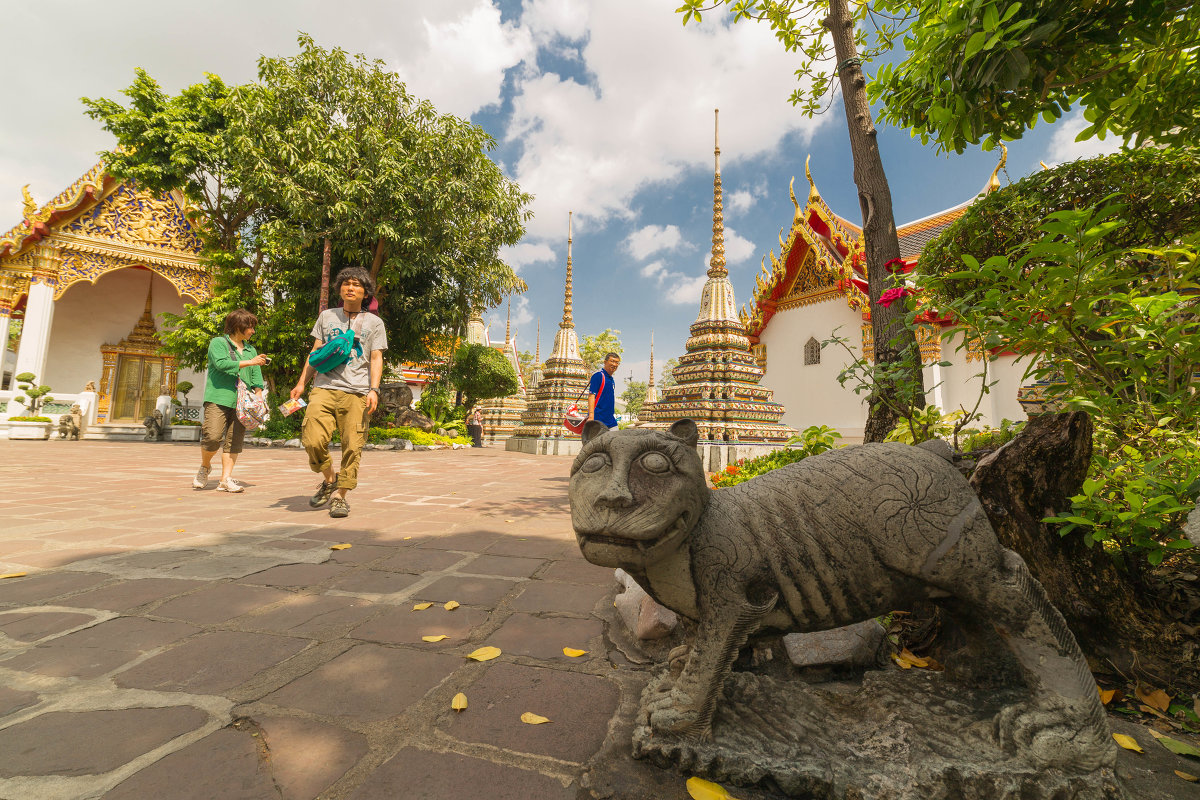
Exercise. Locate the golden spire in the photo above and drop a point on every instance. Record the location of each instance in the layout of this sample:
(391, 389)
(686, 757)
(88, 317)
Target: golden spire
(508, 322)
(994, 181)
(567, 321)
(537, 353)
(30, 204)
(651, 383)
(716, 265)
(1044, 165)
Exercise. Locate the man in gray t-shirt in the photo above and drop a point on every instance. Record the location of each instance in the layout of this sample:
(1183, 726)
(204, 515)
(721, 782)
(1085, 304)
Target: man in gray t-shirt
(344, 397)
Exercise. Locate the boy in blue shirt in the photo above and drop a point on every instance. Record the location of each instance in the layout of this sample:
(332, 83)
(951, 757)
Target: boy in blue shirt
(602, 393)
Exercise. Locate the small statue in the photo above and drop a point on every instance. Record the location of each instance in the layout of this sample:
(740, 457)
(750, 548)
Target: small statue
(91, 386)
(71, 424)
(154, 427)
(832, 540)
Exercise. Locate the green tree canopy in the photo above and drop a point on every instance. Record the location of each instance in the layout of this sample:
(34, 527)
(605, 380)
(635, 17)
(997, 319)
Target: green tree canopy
(986, 70)
(323, 145)
(668, 373)
(593, 348)
(634, 396)
(481, 372)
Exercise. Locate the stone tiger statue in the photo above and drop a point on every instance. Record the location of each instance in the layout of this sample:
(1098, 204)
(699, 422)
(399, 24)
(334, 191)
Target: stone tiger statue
(828, 541)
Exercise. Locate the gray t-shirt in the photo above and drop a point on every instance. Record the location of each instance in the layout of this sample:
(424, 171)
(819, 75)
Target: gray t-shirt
(355, 375)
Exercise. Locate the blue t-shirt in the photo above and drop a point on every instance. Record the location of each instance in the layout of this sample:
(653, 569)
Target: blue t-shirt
(606, 399)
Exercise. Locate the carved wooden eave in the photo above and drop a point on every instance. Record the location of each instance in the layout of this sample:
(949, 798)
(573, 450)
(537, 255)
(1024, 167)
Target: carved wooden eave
(97, 225)
(821, 257)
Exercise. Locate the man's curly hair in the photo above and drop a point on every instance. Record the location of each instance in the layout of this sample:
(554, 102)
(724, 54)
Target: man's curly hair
(357, 273)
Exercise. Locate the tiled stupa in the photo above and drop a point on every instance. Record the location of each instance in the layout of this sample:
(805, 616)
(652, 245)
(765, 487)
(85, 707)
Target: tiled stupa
(502, 415)
(563, 381)
(717, 380)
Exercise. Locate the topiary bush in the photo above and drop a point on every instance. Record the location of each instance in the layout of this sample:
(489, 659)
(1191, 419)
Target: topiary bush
(811, 441)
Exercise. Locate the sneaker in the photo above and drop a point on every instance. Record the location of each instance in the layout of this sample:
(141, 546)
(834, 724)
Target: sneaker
(230, 485)
(324, 492)
(201, 479)
(339, 508)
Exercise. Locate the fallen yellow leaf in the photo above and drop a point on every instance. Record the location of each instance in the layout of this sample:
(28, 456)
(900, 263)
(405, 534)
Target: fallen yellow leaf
(407, 537)
(485, 653)
(13, 575)
(1186, 776)
(573, 653)
(700, 789)
(508, 520)
(1128, 742)
(459, 702)
(340, 546)
(437, 638)
(1155, 698)
(529, 718)
(421, 606)
(1107, 695)
(1174, 745)
(179, 530)
(450, 606)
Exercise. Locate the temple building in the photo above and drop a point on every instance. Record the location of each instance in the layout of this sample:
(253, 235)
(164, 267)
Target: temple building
(563, 382)
(501, 415)
(717, 379)
(87, 274)
(816, 288)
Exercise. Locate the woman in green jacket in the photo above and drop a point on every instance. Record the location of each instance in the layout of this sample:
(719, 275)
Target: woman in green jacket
(229, 357)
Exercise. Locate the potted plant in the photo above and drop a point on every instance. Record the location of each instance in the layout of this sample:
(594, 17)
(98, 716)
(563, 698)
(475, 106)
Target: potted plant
(30, 425)
(182, 429)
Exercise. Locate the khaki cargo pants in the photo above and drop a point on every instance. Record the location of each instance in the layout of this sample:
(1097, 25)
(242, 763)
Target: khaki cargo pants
(329, 409)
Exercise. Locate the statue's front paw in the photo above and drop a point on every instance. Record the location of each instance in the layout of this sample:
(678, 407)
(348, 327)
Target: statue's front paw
(1056, 733)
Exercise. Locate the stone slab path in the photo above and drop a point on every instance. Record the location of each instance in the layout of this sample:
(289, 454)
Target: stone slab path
(173, 643)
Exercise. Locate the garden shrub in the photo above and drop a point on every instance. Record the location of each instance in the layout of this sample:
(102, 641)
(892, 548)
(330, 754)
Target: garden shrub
(811, 441)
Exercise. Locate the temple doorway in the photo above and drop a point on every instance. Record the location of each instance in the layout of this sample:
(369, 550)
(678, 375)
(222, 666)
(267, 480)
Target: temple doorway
(139, 382)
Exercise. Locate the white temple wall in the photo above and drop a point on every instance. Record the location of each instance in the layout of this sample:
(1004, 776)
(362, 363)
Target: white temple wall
(811, 393)
(962, 380)
(88, 316)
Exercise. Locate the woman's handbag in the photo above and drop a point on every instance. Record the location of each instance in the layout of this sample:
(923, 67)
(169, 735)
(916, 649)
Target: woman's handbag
(576, 417)
(251, 409)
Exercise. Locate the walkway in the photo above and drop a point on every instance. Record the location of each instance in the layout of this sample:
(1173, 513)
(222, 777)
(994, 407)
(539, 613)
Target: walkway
(173, 643)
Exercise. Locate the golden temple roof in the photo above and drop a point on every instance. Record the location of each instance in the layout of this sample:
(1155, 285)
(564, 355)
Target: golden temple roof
(36, 223)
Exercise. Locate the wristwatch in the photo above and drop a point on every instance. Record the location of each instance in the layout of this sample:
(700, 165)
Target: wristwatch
(374, 389)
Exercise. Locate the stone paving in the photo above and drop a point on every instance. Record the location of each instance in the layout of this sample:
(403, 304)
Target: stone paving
(174, 643)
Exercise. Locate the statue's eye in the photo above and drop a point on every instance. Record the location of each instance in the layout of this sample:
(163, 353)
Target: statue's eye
(656, 463)
(597, 461)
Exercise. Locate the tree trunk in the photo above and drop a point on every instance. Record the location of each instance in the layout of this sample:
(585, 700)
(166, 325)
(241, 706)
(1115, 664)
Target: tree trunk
(879, 226)
(1033, 477)
(377, 261)
(325, 263)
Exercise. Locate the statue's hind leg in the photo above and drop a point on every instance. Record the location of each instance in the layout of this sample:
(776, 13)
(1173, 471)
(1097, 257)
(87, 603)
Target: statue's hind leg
(1063, 724)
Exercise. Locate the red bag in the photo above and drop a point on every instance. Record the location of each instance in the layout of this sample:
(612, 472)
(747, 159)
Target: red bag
(577, 417)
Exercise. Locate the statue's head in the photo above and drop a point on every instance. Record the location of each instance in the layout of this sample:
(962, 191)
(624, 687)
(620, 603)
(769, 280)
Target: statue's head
(637, 493)
(75, 409)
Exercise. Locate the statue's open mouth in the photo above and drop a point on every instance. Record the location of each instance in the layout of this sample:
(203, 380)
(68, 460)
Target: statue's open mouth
(680, 526)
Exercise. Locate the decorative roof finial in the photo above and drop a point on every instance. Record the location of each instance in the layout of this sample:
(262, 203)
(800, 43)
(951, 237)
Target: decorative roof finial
(150, 297)
(508, 323)
(813, 194)
(716, 264)
(994, 181)
(537, 353)
(567, 321)
(30, 204)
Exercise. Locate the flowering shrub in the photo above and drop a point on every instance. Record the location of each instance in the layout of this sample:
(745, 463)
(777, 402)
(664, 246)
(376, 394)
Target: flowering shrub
(812, 440)
(892, 295)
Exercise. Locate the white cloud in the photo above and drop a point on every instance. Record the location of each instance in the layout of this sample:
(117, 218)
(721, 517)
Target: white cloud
(737, 248)
(593, 147)
(1063, 147)
(526, 253)
(462, 65)
(685, 290)
(651, 239)
(655, 270)
(740, 201)
(497, 319)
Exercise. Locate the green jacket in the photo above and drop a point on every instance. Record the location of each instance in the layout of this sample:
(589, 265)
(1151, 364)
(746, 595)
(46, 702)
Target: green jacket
(220, 384)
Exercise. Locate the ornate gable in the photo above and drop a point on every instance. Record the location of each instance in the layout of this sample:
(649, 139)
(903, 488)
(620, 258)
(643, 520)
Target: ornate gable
(139, 219)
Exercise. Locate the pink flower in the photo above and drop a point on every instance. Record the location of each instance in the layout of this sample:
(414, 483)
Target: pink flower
(891, 295)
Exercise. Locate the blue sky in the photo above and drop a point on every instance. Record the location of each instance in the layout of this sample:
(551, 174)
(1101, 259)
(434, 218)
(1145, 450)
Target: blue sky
(601, 107)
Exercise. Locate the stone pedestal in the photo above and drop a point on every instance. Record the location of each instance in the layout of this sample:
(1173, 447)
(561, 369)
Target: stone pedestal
(543, 447)
(908, 735)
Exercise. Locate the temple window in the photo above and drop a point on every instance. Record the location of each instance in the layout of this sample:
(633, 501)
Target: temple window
(812, 351)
